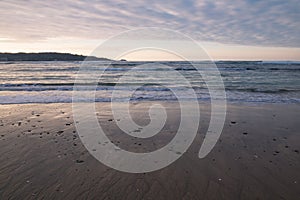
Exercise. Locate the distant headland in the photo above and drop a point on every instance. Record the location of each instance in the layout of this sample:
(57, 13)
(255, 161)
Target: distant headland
(47, 56)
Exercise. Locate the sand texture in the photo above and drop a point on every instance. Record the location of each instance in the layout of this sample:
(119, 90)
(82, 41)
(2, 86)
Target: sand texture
(256, 157)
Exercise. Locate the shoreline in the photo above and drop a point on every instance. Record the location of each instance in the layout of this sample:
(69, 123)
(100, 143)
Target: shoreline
(237, 103)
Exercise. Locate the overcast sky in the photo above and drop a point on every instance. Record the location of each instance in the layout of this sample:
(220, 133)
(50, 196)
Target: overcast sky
(228, 29)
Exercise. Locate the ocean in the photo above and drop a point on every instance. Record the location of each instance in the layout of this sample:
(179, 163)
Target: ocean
(53, 82)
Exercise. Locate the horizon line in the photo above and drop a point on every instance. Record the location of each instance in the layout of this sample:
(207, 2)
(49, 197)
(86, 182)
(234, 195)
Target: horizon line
(214, 60)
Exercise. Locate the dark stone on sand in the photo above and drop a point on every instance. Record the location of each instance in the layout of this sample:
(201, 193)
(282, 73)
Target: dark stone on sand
(59, 132)
(79, 161)
(274, 139)
(245, 133)
(275, 153)
(110, 120)
(233, 122)
(296, 151)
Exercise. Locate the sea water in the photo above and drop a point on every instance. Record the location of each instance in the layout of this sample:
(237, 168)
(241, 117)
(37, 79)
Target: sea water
(53, 82)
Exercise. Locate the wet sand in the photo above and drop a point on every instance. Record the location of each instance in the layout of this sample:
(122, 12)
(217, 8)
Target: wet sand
(256, 157)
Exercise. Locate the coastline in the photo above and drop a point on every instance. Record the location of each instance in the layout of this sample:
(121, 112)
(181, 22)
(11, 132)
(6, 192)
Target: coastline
(256, 157)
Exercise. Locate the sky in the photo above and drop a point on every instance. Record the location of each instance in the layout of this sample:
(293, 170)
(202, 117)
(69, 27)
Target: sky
(227, 30)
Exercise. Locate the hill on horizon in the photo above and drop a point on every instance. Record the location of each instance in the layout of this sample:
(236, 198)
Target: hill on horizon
(47, 56)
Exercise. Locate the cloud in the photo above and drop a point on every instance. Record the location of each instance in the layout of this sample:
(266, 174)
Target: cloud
(267, 23)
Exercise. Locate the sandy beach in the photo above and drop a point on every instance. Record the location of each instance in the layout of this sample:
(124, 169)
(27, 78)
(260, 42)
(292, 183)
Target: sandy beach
(256, 157)
(150, 100)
